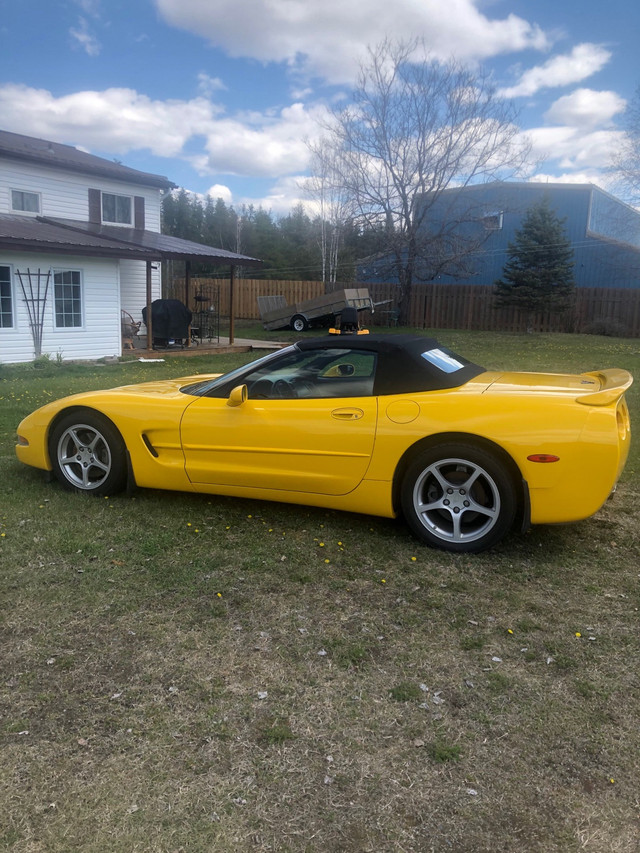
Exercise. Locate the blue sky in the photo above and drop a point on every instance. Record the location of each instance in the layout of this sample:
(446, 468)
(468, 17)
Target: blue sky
(220, 95)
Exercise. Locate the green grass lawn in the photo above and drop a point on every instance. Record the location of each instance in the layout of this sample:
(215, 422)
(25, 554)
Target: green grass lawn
(189, 673)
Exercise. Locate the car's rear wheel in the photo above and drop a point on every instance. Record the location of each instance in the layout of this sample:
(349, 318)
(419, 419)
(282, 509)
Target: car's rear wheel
(88, 454)
(458, 497)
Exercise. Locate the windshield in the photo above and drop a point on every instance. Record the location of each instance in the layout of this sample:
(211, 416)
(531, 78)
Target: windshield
(200, 389)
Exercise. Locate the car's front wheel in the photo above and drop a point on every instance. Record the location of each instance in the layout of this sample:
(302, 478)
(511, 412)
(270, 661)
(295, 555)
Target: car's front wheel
(88, 454)
(458, 497)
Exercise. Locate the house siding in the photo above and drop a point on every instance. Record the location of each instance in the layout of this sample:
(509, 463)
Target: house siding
(66, 195)
(133, 286)
(108, 284)
(99, 335)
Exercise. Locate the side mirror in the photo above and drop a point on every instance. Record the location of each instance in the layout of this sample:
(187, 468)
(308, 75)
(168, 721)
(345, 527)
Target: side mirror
(238, 396)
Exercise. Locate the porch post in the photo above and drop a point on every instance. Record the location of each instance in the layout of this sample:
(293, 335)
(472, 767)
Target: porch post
(231, 284)
(149, 300)
(187, 284)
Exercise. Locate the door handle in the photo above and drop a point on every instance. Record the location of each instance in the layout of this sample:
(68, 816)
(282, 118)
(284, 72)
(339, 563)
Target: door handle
(347, 414)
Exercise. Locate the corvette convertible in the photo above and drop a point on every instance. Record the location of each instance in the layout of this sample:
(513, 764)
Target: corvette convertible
(377, 424)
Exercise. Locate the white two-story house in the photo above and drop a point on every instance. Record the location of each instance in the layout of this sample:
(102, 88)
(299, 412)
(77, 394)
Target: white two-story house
(79, 242)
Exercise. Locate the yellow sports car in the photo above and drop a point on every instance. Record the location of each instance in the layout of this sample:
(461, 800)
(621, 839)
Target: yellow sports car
(379, 424)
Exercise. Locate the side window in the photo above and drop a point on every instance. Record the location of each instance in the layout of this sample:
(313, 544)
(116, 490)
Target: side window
(6, 298)
(67, 298)
(113, 209)
(492, 221)
(321, 374)
(117, 209)
(25, 202)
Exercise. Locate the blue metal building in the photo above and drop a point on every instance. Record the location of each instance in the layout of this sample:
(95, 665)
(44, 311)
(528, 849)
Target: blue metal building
(604, 232)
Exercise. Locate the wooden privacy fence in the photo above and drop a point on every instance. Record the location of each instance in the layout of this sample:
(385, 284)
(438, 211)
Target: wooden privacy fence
(246, 292)
(603, 310)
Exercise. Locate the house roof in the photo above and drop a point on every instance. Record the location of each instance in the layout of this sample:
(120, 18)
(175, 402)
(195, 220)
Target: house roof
(34, 150)
(76, 237)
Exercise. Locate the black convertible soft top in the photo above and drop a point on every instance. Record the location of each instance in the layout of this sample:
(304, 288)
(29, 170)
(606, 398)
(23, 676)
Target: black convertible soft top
(406, 363)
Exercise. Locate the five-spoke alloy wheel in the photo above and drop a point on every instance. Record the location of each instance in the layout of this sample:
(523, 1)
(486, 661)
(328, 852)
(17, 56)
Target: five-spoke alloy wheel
(88, 454)
(458, 497)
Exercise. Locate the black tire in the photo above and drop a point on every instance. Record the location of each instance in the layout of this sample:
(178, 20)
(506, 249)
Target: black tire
(458, 497)
(299, 323)
(88, 454)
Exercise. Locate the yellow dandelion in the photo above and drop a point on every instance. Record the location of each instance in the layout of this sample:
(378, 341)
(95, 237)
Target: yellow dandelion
(578, 634)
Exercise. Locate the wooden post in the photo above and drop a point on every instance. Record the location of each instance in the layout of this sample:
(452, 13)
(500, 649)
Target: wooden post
(149, 300)
(187, 282)
(231, 282)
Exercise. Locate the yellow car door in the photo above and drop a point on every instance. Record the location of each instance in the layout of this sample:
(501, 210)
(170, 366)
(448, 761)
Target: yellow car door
(313, 445)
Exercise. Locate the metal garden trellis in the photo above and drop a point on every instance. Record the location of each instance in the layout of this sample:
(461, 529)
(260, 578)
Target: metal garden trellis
(35, 288)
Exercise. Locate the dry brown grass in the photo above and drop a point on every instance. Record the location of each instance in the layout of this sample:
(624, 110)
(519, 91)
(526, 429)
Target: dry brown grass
(187, 674)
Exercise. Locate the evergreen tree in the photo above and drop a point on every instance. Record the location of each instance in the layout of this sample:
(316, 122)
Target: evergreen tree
(539, 273)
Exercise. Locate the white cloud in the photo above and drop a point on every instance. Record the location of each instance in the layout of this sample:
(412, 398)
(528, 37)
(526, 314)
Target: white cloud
(220, 191)
(329, 37)
(588, 177)
(259, 145)
(114, 120)
(585, 108)
(284, 195)
(252, 144)
(85, 38)
(583, 61)
(573, 149)
(208, 85)
(89, 7)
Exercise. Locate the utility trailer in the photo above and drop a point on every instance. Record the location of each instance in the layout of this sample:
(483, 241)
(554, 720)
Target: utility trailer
(276, 314)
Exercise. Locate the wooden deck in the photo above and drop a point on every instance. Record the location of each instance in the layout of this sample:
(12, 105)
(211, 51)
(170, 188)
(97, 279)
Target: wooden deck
(205, 348)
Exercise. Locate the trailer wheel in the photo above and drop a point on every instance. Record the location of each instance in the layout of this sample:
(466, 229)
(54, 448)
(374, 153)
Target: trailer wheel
(299, 323)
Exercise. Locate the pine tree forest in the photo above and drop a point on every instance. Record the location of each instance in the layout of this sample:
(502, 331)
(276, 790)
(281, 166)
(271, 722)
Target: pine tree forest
(290, 246)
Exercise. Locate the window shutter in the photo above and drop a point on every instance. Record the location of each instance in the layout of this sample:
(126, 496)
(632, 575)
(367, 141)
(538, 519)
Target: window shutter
(95, 213)
(138, 212)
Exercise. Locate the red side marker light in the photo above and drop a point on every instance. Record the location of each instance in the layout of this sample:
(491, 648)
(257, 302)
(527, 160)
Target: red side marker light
(543, 457)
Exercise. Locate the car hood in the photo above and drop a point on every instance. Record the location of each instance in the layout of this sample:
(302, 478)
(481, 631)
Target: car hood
(161, 387)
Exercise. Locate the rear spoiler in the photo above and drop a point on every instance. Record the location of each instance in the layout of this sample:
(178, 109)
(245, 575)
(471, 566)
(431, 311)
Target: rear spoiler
(613, 383)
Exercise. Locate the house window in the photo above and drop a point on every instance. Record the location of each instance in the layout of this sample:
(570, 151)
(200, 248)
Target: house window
(492, 221)
(67, 298)
(25, 202)
(117, 209)
(6, 299)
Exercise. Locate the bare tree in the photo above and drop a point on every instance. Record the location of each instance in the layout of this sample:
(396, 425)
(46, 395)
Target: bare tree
(414, 129)
(334, 205)
(627, 158)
